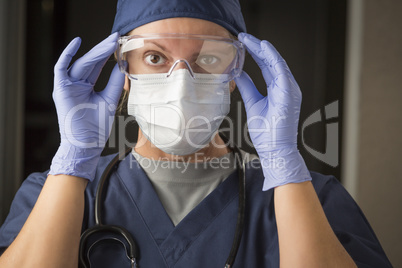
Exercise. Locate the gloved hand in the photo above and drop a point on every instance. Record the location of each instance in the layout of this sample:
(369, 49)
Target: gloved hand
(273, 119)
(85, 117)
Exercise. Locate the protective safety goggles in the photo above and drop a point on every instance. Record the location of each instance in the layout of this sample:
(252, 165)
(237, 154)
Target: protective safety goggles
(163, 53)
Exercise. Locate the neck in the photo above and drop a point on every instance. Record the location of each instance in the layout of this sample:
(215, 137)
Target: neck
(216, 148)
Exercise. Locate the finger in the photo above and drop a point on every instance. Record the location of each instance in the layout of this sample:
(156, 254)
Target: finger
(253, 46)
(111, 93)
(285, 90)
(248, 91)
(277, 64)
(94, 72)
(93, 61)
(93, 77)
(60, 68)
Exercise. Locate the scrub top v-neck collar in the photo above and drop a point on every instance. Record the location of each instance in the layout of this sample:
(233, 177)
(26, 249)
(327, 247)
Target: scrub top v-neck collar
(182, 185)
(173, 241)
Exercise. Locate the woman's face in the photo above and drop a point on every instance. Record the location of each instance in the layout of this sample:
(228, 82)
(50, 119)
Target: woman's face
(157, 56)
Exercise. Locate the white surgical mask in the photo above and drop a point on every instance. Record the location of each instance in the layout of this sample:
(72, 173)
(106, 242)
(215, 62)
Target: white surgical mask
(179, 114)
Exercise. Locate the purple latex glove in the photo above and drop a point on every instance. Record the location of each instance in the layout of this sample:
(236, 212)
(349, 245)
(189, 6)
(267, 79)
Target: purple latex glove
(273, 119)
(85, 117)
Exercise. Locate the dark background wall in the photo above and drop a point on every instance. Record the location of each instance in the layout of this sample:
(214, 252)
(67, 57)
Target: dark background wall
(309, 34)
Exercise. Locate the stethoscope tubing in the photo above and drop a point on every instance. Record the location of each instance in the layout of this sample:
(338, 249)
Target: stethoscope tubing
(241, 209)
(132, 250)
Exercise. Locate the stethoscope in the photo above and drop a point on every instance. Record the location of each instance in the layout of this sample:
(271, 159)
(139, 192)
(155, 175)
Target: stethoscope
(131, 250)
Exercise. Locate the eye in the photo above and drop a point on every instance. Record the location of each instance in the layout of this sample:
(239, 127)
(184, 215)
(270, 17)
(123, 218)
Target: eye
(154, 59)
(208, 60)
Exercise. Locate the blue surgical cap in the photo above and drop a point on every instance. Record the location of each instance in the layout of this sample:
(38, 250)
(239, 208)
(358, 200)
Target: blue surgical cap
(134, 13)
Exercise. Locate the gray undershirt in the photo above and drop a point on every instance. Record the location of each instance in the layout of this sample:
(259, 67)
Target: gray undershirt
(181, 186)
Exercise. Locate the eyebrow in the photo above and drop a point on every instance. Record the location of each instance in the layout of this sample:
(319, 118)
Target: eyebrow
(160, 46)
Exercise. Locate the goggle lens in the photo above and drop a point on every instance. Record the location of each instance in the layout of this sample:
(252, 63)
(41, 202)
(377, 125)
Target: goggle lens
(147, 54)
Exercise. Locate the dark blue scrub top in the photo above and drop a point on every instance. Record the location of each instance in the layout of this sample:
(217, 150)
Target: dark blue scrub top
(204, 237)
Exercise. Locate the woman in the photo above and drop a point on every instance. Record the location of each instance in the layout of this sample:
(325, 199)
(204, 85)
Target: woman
(179, 79)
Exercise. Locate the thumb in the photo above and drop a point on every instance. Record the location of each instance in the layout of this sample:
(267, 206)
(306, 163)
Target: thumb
(248, 91)
(114, 87)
